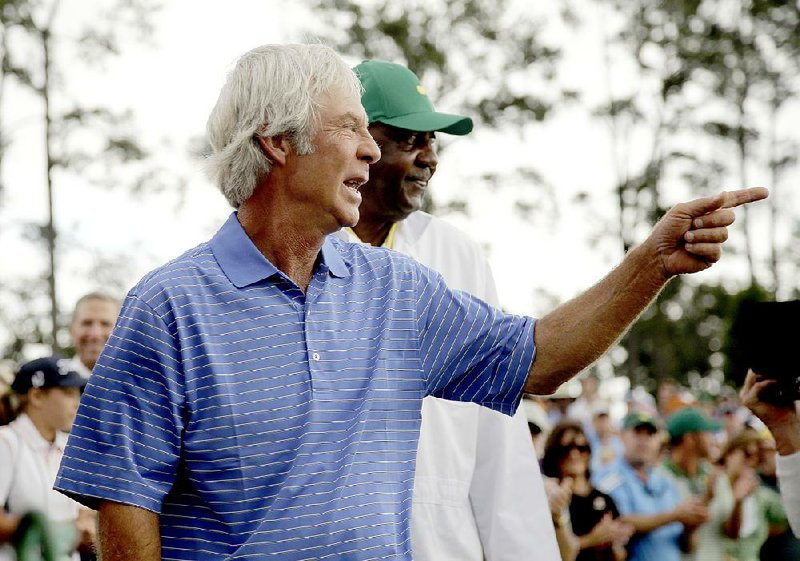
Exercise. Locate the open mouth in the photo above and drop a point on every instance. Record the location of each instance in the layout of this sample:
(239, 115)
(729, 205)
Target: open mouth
(354, 184)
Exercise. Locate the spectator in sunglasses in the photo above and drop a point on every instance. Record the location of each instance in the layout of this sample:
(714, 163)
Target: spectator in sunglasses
(593, 515)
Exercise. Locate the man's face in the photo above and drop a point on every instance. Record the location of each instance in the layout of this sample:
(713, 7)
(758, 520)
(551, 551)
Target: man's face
(642, 445)
(398, 182)
(699, 444)
(324, 185)
(602, 425)
(94, 319)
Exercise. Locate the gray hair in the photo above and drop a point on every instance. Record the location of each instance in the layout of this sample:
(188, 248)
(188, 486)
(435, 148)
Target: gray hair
(273, 90)
(95, 295)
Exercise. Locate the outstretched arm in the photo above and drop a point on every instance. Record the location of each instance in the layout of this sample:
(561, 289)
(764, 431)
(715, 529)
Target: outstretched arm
(687, 239)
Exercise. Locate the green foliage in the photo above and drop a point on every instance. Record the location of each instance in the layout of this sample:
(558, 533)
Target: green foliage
(686, 336)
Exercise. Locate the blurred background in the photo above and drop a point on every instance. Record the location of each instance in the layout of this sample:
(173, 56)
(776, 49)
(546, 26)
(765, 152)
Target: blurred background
(592, 118)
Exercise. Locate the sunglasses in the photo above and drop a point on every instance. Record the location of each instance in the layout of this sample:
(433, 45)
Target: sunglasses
(582, 448)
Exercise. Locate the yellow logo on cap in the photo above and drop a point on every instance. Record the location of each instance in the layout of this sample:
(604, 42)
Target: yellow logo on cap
(421, 90)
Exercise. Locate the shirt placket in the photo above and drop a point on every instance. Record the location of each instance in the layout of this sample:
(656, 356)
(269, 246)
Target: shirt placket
(315, 341)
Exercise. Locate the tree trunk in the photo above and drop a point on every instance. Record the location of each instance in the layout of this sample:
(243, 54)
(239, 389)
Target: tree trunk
(50, 229)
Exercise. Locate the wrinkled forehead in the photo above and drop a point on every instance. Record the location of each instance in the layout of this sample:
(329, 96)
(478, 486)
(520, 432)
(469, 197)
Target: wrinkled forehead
(339, 106)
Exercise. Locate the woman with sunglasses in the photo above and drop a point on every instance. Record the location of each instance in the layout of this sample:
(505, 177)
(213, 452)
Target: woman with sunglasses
(594, 517)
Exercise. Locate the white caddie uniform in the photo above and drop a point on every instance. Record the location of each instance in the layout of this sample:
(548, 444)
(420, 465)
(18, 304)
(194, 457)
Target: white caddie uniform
(478, 491)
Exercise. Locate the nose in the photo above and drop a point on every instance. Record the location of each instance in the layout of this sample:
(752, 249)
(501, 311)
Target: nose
(96, 330)
(427, 156)
(368, 150)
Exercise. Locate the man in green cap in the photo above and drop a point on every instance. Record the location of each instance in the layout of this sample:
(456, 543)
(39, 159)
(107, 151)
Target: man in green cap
(478, 492)
(687, 464)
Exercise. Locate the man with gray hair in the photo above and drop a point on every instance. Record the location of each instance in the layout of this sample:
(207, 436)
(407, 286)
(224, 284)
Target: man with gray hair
(259, 397)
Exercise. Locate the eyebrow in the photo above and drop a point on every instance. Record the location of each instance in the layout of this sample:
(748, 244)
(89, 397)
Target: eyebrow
(349, 118)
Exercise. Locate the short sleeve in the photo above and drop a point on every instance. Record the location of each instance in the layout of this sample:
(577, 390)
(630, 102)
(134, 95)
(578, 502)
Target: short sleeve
(125, 444)
(611, 505)
(470, 350)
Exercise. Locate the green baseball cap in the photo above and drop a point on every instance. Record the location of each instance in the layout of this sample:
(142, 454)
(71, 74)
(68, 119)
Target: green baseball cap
(393, 96)
(640, 419)
(690, 419)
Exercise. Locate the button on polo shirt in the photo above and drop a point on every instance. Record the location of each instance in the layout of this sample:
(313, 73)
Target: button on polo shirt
(264, 423)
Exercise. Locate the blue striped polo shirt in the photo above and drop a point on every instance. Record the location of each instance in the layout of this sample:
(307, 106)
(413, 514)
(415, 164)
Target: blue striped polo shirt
(264, 423)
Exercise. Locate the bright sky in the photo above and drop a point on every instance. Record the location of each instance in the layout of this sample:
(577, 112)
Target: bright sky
(173, 86)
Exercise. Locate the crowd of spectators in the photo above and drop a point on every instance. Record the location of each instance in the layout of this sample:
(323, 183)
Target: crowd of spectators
(675, 477)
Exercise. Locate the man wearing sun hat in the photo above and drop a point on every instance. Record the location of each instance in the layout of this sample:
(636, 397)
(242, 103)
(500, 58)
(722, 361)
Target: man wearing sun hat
(478, 493)
(645, 497)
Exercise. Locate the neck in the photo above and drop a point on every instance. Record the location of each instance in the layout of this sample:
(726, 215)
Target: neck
(641, 469)
(47, 432)
(283, 239)
(580, 485)
(373, 232)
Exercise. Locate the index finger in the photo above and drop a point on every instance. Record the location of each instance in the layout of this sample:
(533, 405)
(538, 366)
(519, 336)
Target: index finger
(726, 199)
(732, 199)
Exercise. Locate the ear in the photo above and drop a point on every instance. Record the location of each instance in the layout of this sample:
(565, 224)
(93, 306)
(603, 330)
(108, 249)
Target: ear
(275, 148)
(35, 396)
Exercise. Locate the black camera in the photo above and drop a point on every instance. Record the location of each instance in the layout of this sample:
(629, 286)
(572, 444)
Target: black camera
(769, 337)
